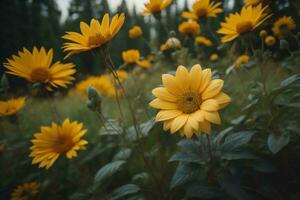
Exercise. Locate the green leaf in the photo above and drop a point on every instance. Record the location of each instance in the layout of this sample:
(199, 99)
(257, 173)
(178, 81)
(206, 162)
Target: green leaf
(236, 140)
(140, 177)
(203, 192)
(239, 154)
(263, 166)
(111, 127)
(123, 191)
(124, 154)
(277, 142)
(219, 137)
(108, 170)
(187, 157)
(144, 128)
(290, 80)
(184, 173)
(233, 186)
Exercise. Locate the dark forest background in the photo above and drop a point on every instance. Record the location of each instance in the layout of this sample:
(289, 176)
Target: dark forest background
(28, 23)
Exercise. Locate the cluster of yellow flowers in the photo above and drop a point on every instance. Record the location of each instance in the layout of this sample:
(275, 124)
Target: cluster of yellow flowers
(188, 102)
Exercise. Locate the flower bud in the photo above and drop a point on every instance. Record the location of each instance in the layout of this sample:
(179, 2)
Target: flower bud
(173, 43)
(94, 99)
(263, 33)
(270, 40)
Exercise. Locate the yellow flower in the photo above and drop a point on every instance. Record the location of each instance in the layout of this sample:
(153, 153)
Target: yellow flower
(238, 23)
(283, 26)
(270, 40)
(189, 101)
(135, 32)
(93, 36)
(156, 6)
(243, 59)
(11, 106)
(252, 2)
(203, 40)
(263, 33)
(131, 56)
(164, 47)
(27, 191)
(144, 63)
(102, 84)
(190, 28)
(122, 74)
(214, 57)
(36, 67)
(203, 8)
(55, 140)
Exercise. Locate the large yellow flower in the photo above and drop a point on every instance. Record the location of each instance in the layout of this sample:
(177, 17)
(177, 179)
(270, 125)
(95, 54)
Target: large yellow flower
(36, 67)
(156, 6)
(238, 23)
(27, 191)
(283, 26)
(55, 140)
(93, 36)
(203, 8)
(189, 27)
(203, 40)
(131, 56)
(252, 2)
(189, 101)
(135, 32)
(11, 106)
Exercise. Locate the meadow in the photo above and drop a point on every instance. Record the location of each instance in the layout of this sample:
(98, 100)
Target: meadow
(168, 102)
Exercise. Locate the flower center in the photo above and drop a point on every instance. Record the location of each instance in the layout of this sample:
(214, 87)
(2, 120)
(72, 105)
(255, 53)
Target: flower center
(243, 27)
(95, 40)
(63, 144)
(284, 28)
(189, 102)
(155, 7)
(201, 12)
(40, 74)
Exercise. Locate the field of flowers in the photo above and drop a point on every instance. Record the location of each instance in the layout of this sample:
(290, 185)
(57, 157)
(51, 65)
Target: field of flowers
(209, 109)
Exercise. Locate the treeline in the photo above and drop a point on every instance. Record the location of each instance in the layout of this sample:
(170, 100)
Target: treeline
(28, 23)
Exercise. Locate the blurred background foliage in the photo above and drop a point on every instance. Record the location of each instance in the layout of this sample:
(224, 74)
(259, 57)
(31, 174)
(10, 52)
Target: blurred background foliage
(262, 164)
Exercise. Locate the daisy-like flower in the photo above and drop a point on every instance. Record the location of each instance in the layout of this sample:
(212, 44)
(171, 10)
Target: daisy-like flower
(94, 35)
(131, 56)
(283, 26)
(203, 40)
(55, 140)
(270, 40)
(236, 24)
(252, 2)
(11, 106)
(144, 63)
(37, 67)
(189, 101)
(27, 191)
(101, 83)
(135, 32)
(189, 28)
(203, 8)
(241, 60)
(214, 57)
(163, 47)
(156, 6)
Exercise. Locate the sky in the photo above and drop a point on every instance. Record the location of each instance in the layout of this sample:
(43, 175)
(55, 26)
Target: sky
(64, 4)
